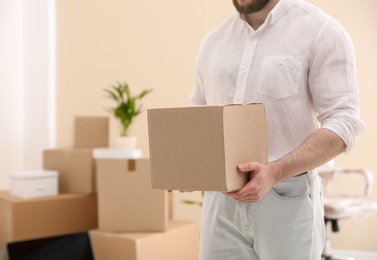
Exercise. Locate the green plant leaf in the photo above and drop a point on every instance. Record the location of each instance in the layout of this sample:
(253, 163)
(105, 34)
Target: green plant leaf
(144, 93)
(125, 103)
(191, 202)
(111, 94)
(119, 91)
(126, 89)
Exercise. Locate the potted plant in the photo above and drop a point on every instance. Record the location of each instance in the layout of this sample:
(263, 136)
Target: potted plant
(125, 110)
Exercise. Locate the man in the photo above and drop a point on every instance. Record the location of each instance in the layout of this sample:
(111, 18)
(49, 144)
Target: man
(299, 63)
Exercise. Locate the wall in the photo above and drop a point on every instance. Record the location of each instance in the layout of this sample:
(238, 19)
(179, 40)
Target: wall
(154, 45)
(27, 73)
(148, 45)
(10, 89)
(39, 66)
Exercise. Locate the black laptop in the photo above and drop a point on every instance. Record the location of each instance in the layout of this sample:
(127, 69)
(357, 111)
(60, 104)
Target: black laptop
(67, 247)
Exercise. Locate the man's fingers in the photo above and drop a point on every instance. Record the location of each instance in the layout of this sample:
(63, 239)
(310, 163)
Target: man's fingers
(249, 189)
(244, 199)
(248, 167)
(252, 192)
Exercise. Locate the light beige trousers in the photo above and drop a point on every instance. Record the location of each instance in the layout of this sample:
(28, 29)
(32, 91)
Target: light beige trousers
(287, 224)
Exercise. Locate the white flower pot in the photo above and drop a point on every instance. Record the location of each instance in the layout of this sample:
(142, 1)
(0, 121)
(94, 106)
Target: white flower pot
(125, 142)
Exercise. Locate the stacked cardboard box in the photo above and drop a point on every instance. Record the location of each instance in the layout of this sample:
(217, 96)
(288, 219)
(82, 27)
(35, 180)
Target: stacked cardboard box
(179, 241)
(26, 219)
(126, 200)
(74, 208)
(76, 169)
(135, 221)
(112, 199)
(76, 165)
(91, 132)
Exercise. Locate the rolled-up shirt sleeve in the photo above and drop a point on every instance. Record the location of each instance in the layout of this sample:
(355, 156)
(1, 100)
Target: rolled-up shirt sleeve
(333, 84)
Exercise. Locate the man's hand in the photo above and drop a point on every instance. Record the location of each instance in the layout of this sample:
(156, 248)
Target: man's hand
(320, 147)
(262, 178)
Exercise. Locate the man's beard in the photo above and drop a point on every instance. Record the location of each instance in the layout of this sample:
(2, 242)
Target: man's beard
(253, 7)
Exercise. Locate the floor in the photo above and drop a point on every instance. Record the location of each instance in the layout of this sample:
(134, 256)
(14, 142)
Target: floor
(358, 255)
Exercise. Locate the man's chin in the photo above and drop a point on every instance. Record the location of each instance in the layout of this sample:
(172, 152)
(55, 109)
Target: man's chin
(254, 7)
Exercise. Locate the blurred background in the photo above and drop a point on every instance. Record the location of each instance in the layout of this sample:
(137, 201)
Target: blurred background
(57, 56)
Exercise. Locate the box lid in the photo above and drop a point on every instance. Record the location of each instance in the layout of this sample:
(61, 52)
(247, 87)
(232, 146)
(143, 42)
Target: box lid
(34, 174)
(116, 153)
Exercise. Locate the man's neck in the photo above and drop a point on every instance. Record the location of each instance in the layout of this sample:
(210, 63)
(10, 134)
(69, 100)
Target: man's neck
(255, 20)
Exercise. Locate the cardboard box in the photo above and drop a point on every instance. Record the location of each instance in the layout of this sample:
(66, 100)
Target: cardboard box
(91, 132)
(22, 219)
(180, 241)
(76, 169)
(198, 148)
(33, 184)
(126, 200)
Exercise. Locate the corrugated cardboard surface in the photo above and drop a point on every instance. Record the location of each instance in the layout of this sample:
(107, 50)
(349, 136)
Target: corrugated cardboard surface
(126, 201)
(76, 169)
(180, 241)
(198, 148)
(245, 140)
(91, 132)
(26, 219)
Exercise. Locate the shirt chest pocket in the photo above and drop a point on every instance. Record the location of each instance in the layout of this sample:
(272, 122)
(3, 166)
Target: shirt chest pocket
(280, 76)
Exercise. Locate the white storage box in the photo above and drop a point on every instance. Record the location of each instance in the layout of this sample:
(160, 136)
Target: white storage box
(116, 153)
(32, 184)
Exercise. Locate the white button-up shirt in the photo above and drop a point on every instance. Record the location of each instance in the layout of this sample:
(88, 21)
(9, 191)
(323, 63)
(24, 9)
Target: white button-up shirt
(300, 64)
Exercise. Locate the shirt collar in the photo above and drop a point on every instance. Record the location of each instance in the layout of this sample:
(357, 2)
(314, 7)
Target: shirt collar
(280, 9)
